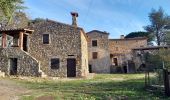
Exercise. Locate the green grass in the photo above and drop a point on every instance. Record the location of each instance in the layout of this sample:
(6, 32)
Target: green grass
(101, 87)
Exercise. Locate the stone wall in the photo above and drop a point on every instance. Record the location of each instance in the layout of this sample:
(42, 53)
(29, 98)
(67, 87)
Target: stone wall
(122, 48)
(26, 64)
(102, 63)
(65, 42)
(126, 45)
(84, 55)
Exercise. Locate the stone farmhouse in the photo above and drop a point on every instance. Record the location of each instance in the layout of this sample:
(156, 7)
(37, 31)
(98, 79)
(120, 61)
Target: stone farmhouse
(56, 49)
(52, 49)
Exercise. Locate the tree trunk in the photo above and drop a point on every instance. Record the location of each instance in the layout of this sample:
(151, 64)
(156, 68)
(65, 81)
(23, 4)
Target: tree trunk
(158, 38)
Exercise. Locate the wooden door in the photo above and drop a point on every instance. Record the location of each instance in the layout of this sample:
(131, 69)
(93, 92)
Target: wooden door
(71, 67)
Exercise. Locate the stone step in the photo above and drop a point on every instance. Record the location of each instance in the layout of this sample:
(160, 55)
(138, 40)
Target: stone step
(42, 74)
(2, 74)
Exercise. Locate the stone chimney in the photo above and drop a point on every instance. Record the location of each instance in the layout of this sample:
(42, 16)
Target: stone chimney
(74, 18)
(122, 37)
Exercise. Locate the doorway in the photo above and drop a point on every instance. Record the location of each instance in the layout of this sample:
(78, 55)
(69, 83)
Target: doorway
(90, 68)
(115, 61)
(13, 66)
(125, 69)
(25, 43)
(71, 67)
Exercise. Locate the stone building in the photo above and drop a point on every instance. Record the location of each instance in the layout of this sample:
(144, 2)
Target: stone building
(98, 50)
(105, 54)
(14, 60)
(121, 51)
(53, 49)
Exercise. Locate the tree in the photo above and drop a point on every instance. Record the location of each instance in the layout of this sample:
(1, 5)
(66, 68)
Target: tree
(140, 34)
(20, 20)
(36, 20)
(158, 21)
(8, 9)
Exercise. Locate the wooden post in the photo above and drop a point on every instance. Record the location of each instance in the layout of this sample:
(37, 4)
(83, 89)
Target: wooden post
(146, 79)
(166, 82)
(21, 40)
(4, 37)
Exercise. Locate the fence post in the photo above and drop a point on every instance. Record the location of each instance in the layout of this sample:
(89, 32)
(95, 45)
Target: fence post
(166, 81)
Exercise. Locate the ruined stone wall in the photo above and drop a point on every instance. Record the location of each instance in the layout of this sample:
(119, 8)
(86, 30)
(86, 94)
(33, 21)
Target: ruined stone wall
(102, 63)
(26, 64)
(125, 46)
(65, 42)
(122, 48)
(84, 55)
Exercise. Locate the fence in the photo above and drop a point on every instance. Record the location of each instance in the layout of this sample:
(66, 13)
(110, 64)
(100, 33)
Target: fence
(158, 81)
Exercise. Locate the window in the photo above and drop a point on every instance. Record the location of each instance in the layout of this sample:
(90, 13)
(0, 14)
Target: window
(94, 43)
(95, 54)
(45, 38)
(55, 63)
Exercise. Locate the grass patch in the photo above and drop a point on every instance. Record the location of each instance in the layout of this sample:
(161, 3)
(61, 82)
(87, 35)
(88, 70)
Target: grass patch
(102, 86)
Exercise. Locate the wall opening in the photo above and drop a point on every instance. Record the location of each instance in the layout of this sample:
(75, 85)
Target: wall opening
(115, 61)
(71, 67)
(125, 69)
(25, 43)
(90, 68)
(13, 66)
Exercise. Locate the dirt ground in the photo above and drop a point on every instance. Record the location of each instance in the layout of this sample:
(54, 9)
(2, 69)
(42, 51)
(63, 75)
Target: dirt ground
(9, 90)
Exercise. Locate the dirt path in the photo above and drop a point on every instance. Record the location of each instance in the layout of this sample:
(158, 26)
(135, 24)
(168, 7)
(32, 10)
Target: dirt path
(9, 90)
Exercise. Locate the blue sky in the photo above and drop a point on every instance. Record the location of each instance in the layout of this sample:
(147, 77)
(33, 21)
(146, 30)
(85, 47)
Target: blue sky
(114, 16)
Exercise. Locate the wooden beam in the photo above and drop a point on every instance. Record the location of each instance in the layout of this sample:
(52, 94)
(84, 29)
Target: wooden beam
(21, 34)
(4, 39)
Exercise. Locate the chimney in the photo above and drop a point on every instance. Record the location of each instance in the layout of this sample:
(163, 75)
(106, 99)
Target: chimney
(122, 37)
(74, 18)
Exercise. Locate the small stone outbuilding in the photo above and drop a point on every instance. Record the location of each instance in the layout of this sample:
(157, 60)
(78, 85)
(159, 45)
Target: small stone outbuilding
(14, 56)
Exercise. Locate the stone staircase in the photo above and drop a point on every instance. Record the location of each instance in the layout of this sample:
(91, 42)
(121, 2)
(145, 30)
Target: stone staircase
(41, 73)
(33, 65)
(2, 74)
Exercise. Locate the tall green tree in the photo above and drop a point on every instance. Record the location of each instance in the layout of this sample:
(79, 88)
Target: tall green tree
(158, 20)
(8, 9)
(140, 34)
